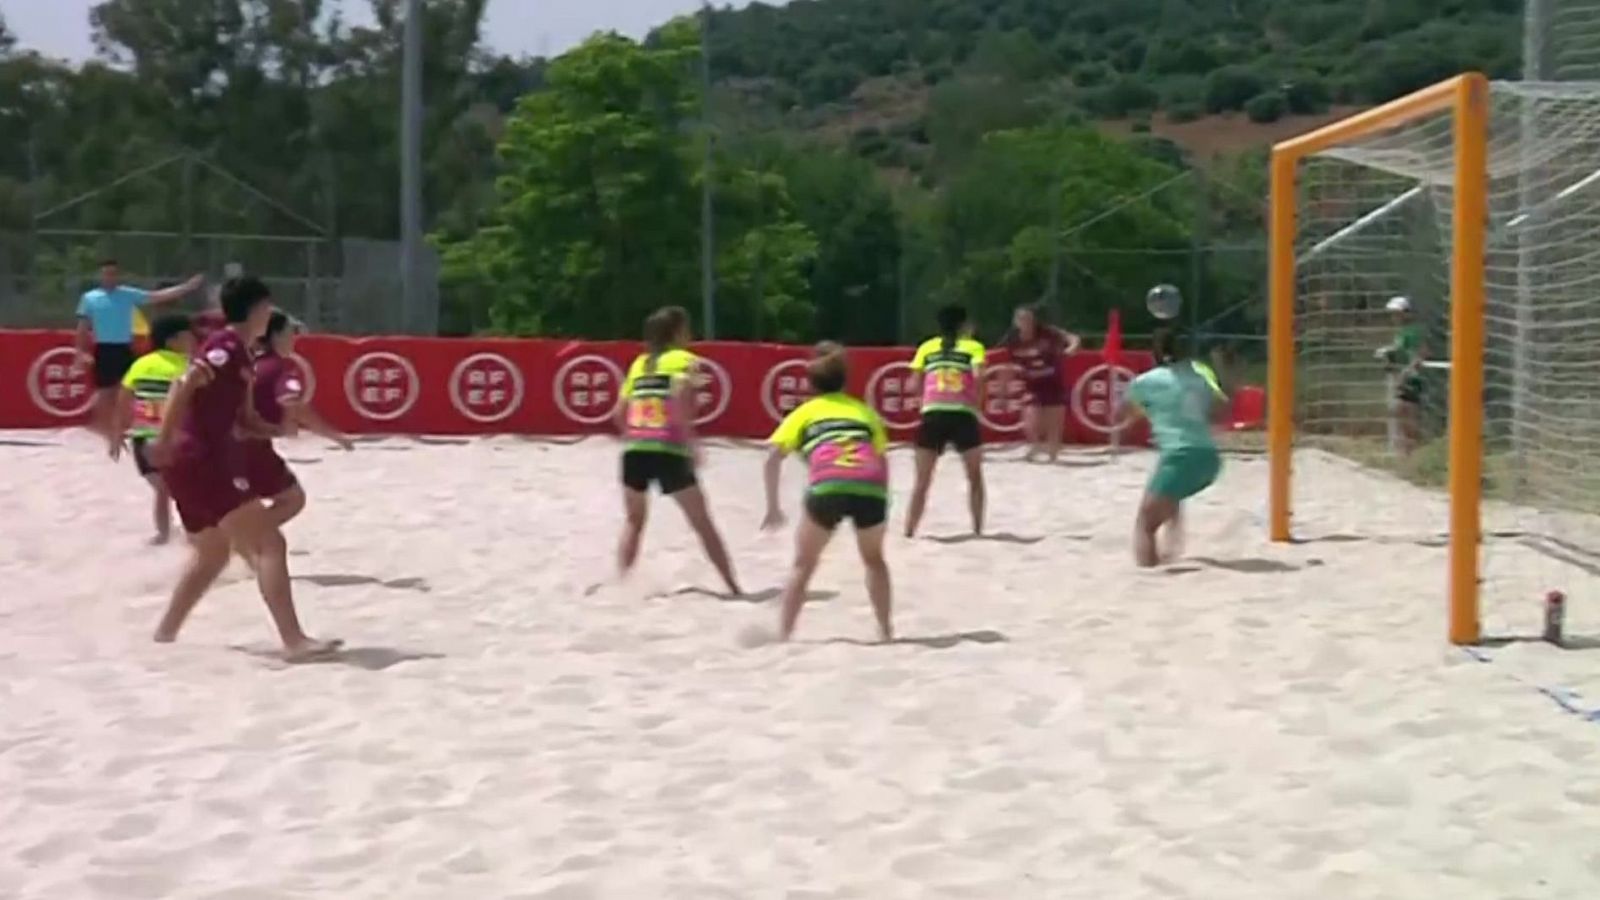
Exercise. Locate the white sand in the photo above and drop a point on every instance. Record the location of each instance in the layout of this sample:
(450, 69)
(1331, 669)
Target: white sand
(1280, 722)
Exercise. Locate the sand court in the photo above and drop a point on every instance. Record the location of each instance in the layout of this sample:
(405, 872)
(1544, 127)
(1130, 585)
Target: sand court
(1256, 721)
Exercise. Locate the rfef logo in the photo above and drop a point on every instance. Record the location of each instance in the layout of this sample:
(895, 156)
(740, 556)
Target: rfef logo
(1004, 395)
(486, 387)
(586, 388)
(59, 384)
(784, 388)
(381, 386)
(893, 390)
(713, 390)
(1097, 395)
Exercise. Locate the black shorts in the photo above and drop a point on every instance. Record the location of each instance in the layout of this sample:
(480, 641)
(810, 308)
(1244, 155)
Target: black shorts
(138, 448)
(941, 429)
(672, 472)
(111, 362)
(828, 510)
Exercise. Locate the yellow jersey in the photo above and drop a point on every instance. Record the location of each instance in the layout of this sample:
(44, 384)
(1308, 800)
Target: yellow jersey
(844, 442)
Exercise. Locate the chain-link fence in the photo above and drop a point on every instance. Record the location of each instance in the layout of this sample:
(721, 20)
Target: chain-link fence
(339, 284)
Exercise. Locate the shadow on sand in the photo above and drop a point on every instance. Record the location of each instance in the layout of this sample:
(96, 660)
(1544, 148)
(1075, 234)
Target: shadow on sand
(336, 580)
(372, 659)
(761, 596)
(1570, 642)
(937, 642)
(1000, 537)
(1248, 566)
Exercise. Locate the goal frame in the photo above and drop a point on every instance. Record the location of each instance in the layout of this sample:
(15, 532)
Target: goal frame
(1466, 99)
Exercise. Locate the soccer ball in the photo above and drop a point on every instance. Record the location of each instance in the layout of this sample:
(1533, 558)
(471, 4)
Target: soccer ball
(1163, 301)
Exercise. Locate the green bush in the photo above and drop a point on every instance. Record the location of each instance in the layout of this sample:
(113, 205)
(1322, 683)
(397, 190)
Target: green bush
(1231, 87)
(1184, 112)
(1265, 108)
(1307, 94)
(1091, 74)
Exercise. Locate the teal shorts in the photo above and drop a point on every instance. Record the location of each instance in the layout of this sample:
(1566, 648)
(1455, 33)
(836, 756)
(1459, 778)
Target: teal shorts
(1180, 474)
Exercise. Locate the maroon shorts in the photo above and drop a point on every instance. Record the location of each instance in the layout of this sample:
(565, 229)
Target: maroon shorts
(266, 472)
(1046, 392)
(205, 488)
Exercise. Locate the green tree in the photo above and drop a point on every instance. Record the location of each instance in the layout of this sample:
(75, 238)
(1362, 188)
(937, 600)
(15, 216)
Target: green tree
(599, 182)
(995, 222)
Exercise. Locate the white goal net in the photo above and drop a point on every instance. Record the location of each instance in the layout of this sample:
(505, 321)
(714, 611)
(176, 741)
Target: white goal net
(1373, 366)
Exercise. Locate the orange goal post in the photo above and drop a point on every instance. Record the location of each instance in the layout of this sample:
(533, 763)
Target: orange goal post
(1434, 307)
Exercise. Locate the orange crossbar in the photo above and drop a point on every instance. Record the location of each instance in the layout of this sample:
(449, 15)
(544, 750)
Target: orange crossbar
(1425, 102)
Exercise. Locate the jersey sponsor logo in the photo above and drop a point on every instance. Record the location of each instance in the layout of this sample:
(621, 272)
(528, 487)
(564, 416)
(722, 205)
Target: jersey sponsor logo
(302, 379)
(217, 356)
(486, 387)
(381, 386)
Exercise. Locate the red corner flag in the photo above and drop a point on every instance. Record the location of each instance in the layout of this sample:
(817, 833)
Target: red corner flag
(1113, 348)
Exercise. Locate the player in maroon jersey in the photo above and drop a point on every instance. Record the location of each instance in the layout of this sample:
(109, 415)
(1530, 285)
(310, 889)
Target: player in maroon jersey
(278, 395)
(202, 462)
(1037, 349)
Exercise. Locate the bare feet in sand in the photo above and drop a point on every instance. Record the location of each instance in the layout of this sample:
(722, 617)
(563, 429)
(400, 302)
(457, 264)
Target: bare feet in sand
(310, 650)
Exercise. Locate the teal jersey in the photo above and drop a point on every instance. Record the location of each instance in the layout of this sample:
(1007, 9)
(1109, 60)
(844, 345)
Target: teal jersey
(1177, 399)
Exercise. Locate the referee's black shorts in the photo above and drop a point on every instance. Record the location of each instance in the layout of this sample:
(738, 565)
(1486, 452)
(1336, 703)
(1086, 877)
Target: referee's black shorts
(111, 362)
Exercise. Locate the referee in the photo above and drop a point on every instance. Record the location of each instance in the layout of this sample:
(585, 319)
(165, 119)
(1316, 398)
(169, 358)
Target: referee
(105, 332)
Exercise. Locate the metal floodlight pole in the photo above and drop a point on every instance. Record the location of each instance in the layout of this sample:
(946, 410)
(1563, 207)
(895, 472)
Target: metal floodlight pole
(411, 288)
(708, 247)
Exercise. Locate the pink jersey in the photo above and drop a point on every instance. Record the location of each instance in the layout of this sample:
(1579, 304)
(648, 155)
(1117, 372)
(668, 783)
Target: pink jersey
(276, 382)
(1039, 358)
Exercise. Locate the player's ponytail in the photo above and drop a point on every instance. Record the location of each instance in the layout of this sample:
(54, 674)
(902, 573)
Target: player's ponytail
(665, 328)
(828, 369)
(950, 319)
(277, 324)
(1166, 346)
(657, 338)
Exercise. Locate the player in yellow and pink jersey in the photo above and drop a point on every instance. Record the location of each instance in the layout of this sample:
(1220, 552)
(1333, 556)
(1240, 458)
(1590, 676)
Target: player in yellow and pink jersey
(843, 441)
(951, 366)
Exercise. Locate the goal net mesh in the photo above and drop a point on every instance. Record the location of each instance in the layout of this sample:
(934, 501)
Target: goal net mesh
(1372, 385)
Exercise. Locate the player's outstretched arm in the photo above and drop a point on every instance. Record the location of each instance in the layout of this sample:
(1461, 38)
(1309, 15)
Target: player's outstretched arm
(770, 475)
(176, 292)
(312, 421)
(1071, 341)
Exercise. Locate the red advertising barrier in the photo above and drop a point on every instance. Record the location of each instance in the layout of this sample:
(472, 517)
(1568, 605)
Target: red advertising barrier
(402, 385)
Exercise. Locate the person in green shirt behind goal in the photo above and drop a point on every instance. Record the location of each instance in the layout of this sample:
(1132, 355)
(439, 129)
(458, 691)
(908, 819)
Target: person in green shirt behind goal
(141, 405)
(1403, 360)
